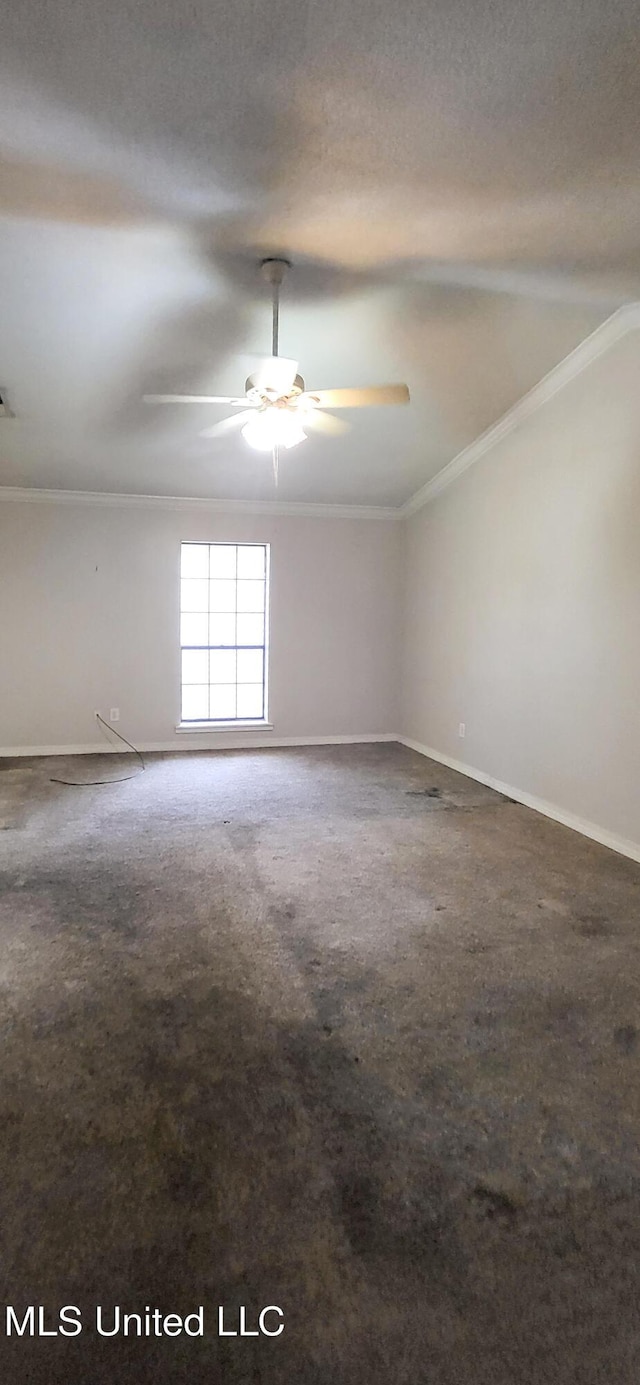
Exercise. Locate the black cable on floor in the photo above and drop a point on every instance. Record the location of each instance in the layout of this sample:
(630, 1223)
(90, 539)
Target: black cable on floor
(93, 783)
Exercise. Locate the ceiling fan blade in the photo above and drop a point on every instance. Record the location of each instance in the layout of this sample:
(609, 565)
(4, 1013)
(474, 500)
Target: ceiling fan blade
(193, 399)
(227, 425)
(320, 422)
(275, 375)
(358, 398)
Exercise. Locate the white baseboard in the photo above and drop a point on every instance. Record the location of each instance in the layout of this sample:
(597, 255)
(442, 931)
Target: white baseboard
(548, 810)
(217, 741)
(250, 741)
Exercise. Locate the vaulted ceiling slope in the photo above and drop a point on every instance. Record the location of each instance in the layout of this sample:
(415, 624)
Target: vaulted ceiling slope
(456, 182)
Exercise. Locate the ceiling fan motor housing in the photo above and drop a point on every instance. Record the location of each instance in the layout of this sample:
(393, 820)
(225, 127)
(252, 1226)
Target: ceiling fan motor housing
(260, 396)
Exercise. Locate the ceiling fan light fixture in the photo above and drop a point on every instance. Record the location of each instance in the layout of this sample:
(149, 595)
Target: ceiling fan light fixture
(273, 428)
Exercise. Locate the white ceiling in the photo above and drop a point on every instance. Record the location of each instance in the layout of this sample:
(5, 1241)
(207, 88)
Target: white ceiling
(457, 183)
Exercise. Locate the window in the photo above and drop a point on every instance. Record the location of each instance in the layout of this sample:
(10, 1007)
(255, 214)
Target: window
(223, 631)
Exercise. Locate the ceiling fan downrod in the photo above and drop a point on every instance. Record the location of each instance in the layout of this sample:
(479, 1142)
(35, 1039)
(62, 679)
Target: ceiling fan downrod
(274, 271)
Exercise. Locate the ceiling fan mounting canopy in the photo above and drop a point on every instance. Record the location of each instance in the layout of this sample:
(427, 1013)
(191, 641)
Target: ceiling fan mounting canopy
(274, 269)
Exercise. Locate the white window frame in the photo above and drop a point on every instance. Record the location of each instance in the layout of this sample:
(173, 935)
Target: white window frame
(239, 722)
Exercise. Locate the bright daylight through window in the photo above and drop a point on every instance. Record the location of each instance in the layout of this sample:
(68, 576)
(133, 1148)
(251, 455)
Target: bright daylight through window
(223, 631)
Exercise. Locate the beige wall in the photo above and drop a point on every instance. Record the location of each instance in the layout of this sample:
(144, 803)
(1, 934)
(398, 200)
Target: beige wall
(89, 604)
(522, 604)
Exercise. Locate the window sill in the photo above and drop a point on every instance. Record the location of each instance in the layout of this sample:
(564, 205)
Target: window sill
(226, 726)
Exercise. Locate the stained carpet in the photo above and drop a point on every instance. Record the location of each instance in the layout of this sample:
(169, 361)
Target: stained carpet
(332, 1029)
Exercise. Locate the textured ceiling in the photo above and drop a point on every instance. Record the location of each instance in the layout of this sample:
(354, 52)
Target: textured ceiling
(458, 185)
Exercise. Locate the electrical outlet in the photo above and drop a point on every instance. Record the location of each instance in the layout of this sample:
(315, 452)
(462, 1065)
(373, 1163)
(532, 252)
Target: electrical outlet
(114, 714)
(462, 730)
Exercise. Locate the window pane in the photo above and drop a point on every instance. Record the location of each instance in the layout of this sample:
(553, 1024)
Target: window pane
(249, 700)
(194, 630)
(250, 629)
(223, 560)
(195, 560)
(222, 701)
(223, 595)
(251, 561)
(195, 704)
(222, 629)
(223, 666)
(250, 666)
(195, 666)
(251, 596)
(195, 595)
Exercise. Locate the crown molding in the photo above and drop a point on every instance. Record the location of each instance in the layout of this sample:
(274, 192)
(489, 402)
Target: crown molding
(32, 495)
(611, 331)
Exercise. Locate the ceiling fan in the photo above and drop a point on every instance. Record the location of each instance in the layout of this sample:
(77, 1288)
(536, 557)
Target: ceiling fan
(276, 410)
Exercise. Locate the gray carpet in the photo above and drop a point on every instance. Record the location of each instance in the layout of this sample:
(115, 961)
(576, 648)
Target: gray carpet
(334, 1029)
